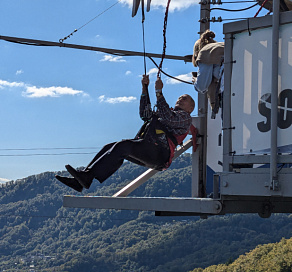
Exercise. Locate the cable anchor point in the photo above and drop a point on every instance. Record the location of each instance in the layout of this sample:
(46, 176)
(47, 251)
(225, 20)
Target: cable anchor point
(67, 37)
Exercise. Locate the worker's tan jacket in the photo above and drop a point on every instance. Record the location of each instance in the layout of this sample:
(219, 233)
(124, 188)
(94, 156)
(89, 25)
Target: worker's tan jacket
(211, 53)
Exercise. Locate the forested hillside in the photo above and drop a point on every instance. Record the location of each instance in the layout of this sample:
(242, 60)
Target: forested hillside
(275, 257)
(38, 233)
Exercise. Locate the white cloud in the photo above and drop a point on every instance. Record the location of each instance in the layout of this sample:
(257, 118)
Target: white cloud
(185, 77)
(115, 100)
(128, 73)
(174, 4)
(4, 83)
(19, 72)
(152, 71)
(33, 91)
(37, 92)
(113, 59)
(3, 180)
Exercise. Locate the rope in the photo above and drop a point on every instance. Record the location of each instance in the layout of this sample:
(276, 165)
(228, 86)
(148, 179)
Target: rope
(75, 30)
(144, 51)
(260, 8)
(143, 32)
(164, 39)
(178, 79)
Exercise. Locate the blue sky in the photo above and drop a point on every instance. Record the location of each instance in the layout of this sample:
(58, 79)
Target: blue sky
(56, 101)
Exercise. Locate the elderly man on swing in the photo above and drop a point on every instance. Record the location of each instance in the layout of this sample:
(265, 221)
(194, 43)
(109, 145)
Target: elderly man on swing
(152, 147)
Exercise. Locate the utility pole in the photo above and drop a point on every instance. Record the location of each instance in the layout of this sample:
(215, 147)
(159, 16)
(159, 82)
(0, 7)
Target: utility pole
(203, 108)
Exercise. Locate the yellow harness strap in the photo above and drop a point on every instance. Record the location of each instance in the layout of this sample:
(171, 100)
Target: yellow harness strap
(159, 131)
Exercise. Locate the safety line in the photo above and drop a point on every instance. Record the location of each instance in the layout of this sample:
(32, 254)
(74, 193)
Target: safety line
(164, 38)
(143, 37)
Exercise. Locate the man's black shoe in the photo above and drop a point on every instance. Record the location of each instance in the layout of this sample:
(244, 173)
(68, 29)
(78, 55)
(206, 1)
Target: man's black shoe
(71, 182)
(83, 177)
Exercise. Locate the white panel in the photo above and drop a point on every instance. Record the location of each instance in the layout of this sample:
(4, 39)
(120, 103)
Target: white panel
(251, 88)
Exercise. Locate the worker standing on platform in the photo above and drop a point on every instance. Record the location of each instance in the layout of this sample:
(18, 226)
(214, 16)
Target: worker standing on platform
(208, 56)
(153, 146)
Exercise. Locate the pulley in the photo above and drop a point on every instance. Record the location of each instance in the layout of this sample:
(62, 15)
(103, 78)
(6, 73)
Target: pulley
(136, 4)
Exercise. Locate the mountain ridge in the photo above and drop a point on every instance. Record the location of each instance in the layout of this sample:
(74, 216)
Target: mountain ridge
(33, 224)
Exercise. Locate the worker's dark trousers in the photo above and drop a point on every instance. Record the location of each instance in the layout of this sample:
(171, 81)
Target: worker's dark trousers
(110, 158)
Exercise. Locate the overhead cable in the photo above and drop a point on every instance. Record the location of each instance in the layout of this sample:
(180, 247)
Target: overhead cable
(233, 19)
(86, 217)
(75, 30)
(232, 10)
(237, 2)
(219, 2)
(90, 48)
(59, 217)
(219, 19)
(46, 148)
(46, 154)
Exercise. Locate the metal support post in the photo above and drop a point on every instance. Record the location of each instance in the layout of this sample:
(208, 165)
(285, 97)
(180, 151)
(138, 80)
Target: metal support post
(203, 108)
(274, 182)
(204, 16)
(227, 137)
(196, 161)
(216, 186)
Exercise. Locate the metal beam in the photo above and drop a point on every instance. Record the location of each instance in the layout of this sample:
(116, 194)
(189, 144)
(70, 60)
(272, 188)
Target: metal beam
(274, 183)
(256, 23)
(91, 48)
(254, 183)
(264, 206)
(170, 204)
(257, 159)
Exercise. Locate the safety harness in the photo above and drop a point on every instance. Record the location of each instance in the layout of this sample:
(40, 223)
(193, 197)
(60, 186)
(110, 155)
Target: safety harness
(152, 128)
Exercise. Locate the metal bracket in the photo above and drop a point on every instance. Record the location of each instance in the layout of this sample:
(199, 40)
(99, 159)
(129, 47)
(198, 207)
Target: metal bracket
(275, 184)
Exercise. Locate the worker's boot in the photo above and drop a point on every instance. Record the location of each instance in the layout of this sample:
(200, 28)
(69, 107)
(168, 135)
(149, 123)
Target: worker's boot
(83, 177)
